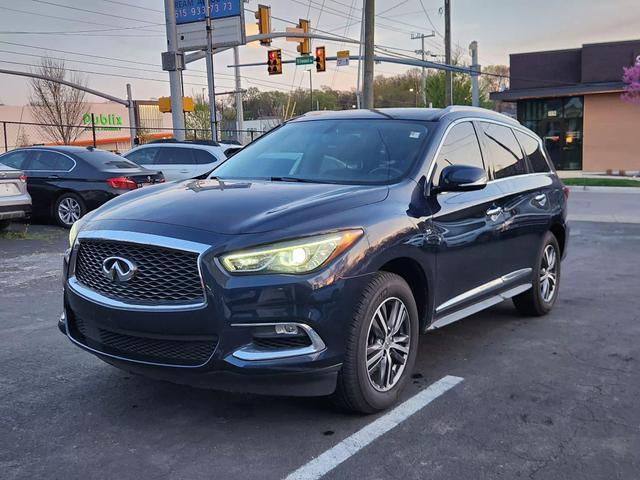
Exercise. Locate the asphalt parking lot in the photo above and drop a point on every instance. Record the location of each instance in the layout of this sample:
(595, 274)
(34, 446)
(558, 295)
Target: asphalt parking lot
(543, 398)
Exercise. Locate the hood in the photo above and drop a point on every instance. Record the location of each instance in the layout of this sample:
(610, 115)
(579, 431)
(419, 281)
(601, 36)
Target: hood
(235, 207)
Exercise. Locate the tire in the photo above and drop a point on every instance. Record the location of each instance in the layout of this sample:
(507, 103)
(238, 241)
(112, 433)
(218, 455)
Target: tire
(536, 302)
(4, 224)
(356, 389)
(74, 207)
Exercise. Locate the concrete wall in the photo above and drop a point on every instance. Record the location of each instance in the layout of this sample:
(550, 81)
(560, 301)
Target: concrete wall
(611, 134)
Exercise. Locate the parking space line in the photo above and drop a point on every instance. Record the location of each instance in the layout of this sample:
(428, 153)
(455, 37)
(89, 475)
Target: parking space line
(351, 445)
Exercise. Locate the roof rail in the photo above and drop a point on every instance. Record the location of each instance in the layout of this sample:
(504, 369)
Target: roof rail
(193, 142)
(467, 108)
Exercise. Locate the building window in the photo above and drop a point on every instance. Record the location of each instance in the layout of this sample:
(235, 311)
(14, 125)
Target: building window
(558, 121)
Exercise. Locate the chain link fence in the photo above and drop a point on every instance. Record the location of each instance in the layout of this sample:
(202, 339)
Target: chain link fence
(106, 134)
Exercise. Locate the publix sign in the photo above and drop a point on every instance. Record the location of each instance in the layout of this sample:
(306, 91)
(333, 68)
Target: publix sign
(103, 121)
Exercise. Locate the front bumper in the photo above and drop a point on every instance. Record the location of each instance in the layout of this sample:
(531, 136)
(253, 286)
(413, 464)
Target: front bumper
(235, 309)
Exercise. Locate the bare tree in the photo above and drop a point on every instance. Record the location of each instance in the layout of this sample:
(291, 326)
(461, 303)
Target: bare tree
(58, 107)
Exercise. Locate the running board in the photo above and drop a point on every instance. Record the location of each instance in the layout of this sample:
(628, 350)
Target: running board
(477, 307)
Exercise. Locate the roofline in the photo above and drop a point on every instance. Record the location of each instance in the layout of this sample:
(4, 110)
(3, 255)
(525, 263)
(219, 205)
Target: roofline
(561, 91)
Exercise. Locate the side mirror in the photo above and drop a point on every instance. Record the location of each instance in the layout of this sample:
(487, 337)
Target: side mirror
(461, 178)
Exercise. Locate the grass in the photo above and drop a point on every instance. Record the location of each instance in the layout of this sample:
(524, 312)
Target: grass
(25, 234)
(601, 182)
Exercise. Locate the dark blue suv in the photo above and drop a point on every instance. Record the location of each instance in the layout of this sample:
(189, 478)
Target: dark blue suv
(310, 262)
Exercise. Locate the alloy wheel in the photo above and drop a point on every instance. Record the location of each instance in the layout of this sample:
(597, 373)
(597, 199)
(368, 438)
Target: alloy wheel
(388, 344)
(69, 210)
(548, 273)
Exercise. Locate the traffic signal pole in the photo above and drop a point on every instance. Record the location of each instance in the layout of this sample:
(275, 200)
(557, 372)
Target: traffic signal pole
(175, 80)
(369, 47)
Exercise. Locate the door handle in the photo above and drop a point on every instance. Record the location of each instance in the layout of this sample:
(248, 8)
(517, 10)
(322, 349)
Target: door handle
(494, 212)
(540, 199)
(53, 177)
(184, 171)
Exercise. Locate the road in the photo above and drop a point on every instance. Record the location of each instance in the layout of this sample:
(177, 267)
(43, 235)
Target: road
(541, 398)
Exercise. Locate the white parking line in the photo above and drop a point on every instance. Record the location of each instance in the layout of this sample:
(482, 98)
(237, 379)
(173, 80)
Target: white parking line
(351, 445)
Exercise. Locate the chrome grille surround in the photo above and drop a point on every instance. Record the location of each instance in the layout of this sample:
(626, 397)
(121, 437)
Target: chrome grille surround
(169, 277)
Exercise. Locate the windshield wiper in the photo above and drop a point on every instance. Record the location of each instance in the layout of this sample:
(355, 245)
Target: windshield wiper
(292, 179)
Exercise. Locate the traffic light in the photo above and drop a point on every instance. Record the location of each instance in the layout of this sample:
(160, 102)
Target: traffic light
(274, 62)
(305, 45)
(321, 62)
(263, 15)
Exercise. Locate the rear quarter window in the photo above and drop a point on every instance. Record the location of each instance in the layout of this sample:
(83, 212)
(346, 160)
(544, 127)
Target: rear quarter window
(534, 153)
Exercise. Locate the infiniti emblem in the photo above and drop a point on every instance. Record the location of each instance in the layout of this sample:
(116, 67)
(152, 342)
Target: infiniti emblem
(118, 269)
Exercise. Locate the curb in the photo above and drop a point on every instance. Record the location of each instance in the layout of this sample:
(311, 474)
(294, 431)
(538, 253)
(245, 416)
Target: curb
(574, 188)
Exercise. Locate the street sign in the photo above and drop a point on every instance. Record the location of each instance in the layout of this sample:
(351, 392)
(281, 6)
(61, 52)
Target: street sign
(195, 10)
(227, 22)
(305, 60)
(343, 58)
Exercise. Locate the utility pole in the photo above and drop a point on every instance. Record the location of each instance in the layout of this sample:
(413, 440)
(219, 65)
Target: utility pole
(175, 64)
(423, 52)
(448, 79)
(239, 107)
(210, 75)
(369, 41)
(133, 130)
(475, 97)
(360, 44)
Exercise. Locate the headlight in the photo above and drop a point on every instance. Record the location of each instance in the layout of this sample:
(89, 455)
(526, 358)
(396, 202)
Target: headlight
(73, 232)
(297, 256)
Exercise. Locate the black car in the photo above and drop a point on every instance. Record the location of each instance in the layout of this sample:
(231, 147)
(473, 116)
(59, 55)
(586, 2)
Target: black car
(67, 182)
(311, 260)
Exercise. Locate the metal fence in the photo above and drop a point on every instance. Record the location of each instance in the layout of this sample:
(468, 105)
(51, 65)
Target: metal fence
(106, 134)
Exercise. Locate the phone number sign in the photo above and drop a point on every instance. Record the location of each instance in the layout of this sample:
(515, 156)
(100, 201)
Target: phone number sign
(188, 11)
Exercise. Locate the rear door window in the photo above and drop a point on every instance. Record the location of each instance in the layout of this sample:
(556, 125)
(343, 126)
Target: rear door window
(504, 151)
(50, 161)
(175, 156)
(534, 152)
(144, 156)
(460, 147)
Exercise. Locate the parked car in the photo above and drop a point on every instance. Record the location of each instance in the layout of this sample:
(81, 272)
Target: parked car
(15, 202)
(182, 160)
(67, 182)
(310, 261)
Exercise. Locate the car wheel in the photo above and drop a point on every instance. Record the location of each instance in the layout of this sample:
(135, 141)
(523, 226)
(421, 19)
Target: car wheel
(68, 209)
(4, 224)
(540, 299)
(381, 346)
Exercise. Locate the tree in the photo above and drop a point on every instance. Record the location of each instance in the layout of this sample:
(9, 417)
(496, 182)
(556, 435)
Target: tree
(58, 107)
(631, 78)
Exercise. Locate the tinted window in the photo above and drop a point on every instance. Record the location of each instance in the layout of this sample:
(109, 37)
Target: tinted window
(144, 156)
(460, 147)
(175, 156)
(43, 160)
(203, 157)
(103, 160)
(333, 151)
(15, 159)
(532, 149)
(504, 150)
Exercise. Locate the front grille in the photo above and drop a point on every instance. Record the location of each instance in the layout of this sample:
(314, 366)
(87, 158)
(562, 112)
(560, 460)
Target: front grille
(153, 350)
(164, 276)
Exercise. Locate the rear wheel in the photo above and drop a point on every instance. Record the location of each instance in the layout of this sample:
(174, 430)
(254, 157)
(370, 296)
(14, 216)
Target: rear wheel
(68, 209)
(381, 347)
(540, 299)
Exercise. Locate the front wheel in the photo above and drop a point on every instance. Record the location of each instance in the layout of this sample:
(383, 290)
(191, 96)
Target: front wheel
(539, 300)
(381, 346)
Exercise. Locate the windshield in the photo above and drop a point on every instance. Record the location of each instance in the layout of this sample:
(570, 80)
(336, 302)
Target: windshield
(331, 151)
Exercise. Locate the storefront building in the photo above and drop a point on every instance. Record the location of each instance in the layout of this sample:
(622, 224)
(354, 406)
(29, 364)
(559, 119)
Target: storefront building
(572, 99)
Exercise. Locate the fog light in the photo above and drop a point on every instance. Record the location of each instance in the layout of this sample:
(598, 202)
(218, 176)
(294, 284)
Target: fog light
(286, 329)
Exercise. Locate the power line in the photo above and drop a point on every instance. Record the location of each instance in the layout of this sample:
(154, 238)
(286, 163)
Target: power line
(77, 9)
(134, 6)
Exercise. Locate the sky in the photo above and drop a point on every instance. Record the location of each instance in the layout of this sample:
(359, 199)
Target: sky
(115, 42)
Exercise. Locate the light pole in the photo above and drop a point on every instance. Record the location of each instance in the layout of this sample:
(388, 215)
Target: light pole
(310, 88)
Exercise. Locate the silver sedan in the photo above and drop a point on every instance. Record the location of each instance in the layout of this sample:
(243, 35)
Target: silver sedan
(15, 201)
